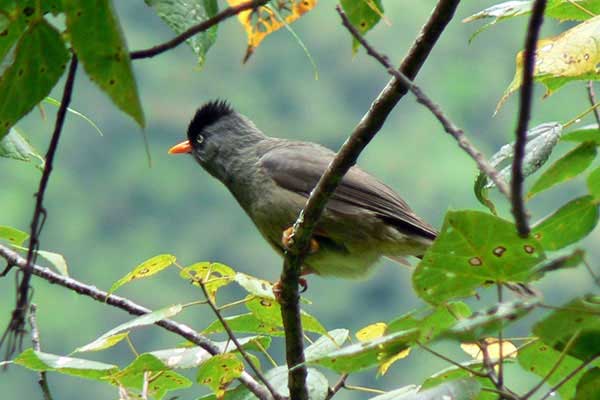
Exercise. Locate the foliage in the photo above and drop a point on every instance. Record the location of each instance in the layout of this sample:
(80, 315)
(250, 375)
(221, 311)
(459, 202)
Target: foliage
(475, 251)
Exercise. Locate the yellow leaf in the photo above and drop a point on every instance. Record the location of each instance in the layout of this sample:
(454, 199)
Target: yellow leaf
(212, 275)
(383, 368)
(492, 346)
(371, 332)
(261, 22)
(572, 55)
(145, 269)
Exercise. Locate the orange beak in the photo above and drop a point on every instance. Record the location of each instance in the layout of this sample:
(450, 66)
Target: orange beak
(181, 148)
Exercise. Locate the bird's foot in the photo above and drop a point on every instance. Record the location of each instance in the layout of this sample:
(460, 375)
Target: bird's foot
(277, 289)
(287, 239)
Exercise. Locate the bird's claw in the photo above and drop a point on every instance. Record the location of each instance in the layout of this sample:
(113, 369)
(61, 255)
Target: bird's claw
(287, 239)
(277, 288)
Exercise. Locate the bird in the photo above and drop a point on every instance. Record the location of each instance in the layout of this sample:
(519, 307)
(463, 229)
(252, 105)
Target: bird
(271, 179)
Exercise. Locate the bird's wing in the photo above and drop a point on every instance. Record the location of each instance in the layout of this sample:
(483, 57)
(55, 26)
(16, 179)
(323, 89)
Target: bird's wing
(298, 167)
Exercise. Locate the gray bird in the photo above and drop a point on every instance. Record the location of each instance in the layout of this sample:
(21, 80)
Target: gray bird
(271, 179)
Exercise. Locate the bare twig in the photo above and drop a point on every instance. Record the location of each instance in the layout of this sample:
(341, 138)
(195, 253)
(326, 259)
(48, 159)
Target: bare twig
(592, 98)
(526, 98)
(451, 361)
(346, 157)
(201, 27)
(35, 340)
(341, 383)
(570, 376)
(422, 98)
(233, 338)
(129, 306)
(16, 327)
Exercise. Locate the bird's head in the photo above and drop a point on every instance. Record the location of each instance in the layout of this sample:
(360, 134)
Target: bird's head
(217, 138)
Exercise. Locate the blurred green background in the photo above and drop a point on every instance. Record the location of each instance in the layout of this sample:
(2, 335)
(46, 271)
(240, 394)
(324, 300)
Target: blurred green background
(108, 210)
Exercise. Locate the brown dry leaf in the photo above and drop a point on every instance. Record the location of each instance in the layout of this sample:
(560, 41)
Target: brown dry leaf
(493, 349)
(572, 55)
(371, 332)
(263, 21)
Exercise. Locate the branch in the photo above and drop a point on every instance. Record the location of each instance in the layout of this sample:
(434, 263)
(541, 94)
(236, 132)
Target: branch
(304, 226)
(236, 342)
(129, 306)
(16, 327)
(340, 384)
(35, 340)
(201, 27)
(518, 204)
(449, 126)
(592, 98)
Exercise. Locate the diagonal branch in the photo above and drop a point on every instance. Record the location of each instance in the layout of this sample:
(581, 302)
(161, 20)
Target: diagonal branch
(35, 340)
(16, 327)
(201, 27)
(449, 126)
(346, 157)
(518, 203)
(186, 332)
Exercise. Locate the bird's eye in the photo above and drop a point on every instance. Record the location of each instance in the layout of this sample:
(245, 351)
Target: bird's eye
(199, 139)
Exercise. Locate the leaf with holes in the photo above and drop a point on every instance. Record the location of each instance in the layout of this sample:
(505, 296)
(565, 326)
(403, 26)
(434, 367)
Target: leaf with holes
(15, 146)
(482, 324)
(566, 168)
(32, 74)
(577, 323)
(160, 379)
(539, 358)
(459, 389)
(13, 235)
(363, 14)
(364, 355)
(244, 323)
(213, 275)
(96, 37)
(218, 372)
(180, 15)
(148, 268)
(269, 311)
(144, 320)
(39, 361)
(569, 224)
(474, 248)
(572, 55)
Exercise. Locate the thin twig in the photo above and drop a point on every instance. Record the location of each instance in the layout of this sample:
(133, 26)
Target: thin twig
(237, 344)
(201, 27)
(341, 383)
(35, 340)
(129, 306)
(451, 128)
(526, 99)
(592, 98)
(503, 393)
(451, 361)
(346, 157)
(16, 326)
(570, 376)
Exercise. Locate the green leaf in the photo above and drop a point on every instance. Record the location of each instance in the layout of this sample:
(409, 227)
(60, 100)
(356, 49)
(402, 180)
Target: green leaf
(441, 319)
(57, 260)
(482, 324)
(13, 235)
(454, 373)
(539, 358)
(566, 168)
(15, 146)
(256, 286)
(363, 14)
(589, 133)
(269, 311)
(474, 248)
(244, 323)
(589, 385)
(161, 378)
(148, 268)
(108, 339)
(569, 224)
(593, 183)
(564, 10)
(499, 12)
(38, 361)
(219, 371)
(364, 355)
(96, 36)
(56, 103)
(334, 340)
(578, 319)
(460, 389)
(180, 15)
(39, 61)
(213, 275)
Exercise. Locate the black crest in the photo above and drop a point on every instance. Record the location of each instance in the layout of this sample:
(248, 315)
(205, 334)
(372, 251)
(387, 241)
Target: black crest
(207, 115)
